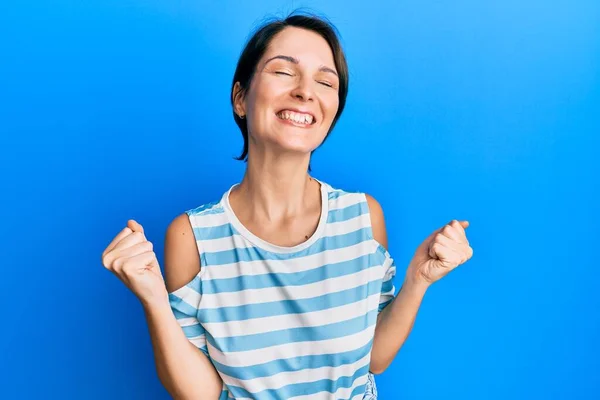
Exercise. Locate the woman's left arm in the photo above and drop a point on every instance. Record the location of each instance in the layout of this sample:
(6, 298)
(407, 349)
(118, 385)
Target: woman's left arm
(440, 253)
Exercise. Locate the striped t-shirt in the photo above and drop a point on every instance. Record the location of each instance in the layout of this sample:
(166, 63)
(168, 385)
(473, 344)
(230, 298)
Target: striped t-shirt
(288, 322)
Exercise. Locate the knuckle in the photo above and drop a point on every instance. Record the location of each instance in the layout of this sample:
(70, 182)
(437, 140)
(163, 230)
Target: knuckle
(118, 263)
(106, 261)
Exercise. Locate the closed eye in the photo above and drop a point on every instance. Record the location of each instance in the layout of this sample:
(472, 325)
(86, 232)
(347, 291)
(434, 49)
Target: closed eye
(326, 83)
(283, 73)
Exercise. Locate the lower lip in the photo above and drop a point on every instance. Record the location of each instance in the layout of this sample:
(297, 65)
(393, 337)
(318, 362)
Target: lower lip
(293, 123)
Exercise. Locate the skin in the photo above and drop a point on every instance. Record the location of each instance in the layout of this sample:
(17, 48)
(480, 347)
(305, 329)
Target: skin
(285, 202)
(279, 202)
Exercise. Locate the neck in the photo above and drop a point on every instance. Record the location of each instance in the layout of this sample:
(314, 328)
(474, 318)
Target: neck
(277, 187)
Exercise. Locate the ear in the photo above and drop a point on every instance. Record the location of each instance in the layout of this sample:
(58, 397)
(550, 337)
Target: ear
(239, 106)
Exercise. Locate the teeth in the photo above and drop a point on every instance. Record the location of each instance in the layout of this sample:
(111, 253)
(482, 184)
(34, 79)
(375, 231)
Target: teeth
(299, 118)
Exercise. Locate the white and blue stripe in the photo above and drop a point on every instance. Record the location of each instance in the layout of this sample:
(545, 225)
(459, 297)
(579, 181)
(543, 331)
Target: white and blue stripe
(288, 322)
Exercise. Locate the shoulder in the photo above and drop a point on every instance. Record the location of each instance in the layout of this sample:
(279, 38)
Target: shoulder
(181, 253)
(181, 258)
(346, 197)
(377, 220)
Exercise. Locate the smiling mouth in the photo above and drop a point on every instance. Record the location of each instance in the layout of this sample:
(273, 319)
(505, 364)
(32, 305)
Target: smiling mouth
(297, 118)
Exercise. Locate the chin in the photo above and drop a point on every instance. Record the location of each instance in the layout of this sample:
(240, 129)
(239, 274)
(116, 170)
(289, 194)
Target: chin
(297, 148)
(295, 144)
(292, 139)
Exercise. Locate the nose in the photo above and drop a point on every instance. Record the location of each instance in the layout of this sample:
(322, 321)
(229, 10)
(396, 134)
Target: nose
(303, 91)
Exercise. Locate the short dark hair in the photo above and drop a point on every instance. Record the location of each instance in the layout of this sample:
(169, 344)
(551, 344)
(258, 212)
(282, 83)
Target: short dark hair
(259, 42)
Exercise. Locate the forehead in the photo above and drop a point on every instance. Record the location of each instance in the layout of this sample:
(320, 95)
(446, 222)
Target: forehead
(307, 46)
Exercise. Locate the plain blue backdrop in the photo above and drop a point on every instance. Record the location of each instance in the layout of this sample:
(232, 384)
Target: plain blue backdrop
(486, 111)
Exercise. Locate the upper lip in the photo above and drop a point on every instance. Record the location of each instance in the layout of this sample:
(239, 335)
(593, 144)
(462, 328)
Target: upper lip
(298, 111)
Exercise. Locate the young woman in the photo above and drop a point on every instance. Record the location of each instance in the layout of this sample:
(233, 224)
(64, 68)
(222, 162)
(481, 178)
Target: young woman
(282, 288)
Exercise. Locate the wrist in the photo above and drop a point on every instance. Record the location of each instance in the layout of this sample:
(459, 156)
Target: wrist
(156, 305)
(415, 283)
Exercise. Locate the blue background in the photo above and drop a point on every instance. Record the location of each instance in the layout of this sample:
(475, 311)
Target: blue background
(111, 110)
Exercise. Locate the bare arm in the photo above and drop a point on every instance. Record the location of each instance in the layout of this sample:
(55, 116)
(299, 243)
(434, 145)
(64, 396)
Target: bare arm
(394, 324)
(183, 369)
(396, 320)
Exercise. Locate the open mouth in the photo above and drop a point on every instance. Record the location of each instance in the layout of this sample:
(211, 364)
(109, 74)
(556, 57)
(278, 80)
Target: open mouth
(297, 117)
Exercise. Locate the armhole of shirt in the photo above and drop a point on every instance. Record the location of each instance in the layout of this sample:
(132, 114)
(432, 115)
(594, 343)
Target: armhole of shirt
(378, 246)
(199, 247)
(185, 292)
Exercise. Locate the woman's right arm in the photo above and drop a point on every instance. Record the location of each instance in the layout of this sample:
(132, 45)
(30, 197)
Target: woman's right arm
(184, 370)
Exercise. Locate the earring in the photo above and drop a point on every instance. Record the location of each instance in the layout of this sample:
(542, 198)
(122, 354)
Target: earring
(242, 116)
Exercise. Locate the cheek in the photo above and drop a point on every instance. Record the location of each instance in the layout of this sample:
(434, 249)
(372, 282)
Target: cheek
(267, 90)
(258, 96)
(331, 108)
(331, 104)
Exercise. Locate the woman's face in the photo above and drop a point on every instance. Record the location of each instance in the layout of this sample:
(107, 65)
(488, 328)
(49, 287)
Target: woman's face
(293, 96)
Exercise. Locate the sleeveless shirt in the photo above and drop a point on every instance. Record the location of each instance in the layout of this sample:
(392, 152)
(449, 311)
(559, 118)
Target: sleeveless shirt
(287, 322)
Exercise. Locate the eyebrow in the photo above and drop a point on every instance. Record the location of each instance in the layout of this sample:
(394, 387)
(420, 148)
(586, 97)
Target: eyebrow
(296, 61)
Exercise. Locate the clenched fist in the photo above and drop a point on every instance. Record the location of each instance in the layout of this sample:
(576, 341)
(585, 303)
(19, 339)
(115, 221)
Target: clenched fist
(445, 249)
(130, 256)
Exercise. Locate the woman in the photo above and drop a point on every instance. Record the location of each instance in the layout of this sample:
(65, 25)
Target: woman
(283, 287)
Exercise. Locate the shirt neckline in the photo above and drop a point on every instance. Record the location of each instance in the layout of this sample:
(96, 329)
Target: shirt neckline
(237, 224)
